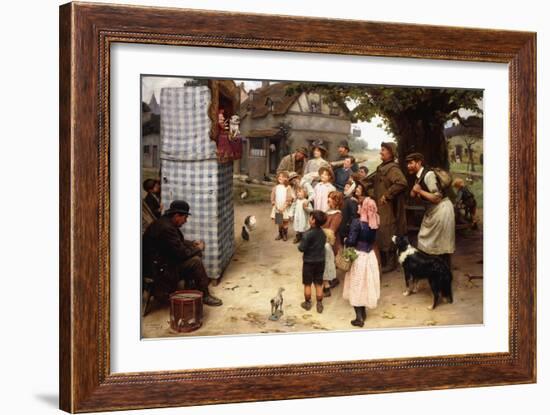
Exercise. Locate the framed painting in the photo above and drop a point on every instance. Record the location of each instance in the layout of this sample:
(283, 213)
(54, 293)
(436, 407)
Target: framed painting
(249, 202)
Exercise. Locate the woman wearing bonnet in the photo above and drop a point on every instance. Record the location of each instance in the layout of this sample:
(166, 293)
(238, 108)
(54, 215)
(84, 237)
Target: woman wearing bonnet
(319, 158)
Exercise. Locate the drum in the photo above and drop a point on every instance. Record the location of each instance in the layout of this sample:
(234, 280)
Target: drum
(185, 310)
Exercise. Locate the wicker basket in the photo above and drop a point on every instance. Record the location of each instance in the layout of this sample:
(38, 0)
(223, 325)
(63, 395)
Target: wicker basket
(341, 262)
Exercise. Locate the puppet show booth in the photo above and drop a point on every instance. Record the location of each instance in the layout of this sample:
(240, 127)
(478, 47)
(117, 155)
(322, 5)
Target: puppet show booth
(198, 146)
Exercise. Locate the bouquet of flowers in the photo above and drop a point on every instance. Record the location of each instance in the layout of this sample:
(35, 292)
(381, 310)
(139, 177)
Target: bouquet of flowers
(345, 258)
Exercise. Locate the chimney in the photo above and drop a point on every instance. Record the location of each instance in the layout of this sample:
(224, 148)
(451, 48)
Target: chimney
(265, 84)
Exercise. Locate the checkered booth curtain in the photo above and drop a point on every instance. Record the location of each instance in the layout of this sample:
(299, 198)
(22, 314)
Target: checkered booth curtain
(191, 172)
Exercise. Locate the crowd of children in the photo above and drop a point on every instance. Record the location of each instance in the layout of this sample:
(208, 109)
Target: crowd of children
(325, 222)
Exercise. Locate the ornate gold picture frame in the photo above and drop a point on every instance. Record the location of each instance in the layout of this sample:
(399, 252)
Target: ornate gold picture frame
(87, 32)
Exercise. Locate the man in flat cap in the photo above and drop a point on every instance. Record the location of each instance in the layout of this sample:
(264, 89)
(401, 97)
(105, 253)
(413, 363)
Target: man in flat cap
(344, 166)
(180, 259)
(294, 162)
(343, 154)
(437, 231)
(389, 191)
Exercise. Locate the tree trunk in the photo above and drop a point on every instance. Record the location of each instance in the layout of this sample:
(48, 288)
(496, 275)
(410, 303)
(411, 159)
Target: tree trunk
(422, 136)
(472, 163)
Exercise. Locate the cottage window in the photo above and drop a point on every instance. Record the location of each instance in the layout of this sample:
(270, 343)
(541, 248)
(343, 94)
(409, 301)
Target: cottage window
(315, 103)
(146, 149)
(257, 148)
(315, 107)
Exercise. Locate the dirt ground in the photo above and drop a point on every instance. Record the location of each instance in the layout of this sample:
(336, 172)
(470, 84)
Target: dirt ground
(262, 265)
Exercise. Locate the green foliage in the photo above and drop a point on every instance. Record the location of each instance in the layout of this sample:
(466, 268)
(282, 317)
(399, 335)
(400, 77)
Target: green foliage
(350, 254)
(435, 105)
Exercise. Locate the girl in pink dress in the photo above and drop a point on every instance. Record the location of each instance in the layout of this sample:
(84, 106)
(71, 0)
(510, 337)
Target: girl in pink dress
(362, 281)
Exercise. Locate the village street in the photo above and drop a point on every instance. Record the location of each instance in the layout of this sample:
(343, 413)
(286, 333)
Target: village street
(262, 265)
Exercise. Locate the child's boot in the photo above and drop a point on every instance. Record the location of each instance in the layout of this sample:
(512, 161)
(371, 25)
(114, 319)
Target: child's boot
(319, 305)
(359, 319)
(306, 305)
(280, 236)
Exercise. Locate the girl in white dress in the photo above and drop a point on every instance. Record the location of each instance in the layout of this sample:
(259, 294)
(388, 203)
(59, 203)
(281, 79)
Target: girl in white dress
(301, 209)
(281, 201)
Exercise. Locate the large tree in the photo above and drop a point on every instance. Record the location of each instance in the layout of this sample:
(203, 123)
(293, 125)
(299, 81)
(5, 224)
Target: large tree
(416, 117)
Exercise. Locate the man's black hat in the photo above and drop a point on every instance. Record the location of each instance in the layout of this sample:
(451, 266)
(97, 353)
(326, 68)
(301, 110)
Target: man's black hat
(178, 206)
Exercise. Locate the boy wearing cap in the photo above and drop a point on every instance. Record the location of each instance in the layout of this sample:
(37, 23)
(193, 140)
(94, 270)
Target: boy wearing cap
(344, 152)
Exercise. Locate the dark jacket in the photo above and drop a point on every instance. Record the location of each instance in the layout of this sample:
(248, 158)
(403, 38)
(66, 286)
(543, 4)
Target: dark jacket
(153, 204)
(349, 212)
(341, 177)
(163, 242)
(361, 236)
(312, 245)
(390, 182)
(290, 164)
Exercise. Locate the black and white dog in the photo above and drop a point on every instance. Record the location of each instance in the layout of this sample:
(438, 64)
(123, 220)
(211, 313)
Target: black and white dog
(417, 265)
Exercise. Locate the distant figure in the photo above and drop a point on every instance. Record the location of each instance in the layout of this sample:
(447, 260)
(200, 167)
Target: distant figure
(152, 199)
(465, 200)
